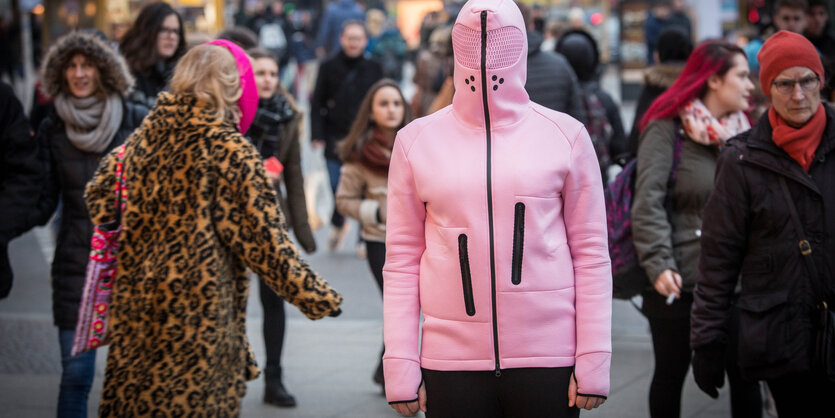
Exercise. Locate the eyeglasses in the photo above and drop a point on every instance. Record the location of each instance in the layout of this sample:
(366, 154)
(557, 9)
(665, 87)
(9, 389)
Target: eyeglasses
(807, 84)
(166, 32)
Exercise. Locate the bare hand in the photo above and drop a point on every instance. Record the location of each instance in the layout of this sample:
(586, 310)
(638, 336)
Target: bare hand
(583, 402)
(668, 282)
(409, 409)
(317, 144)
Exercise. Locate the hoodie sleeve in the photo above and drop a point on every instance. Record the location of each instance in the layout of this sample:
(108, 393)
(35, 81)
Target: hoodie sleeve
(405, 244)
(585, 222)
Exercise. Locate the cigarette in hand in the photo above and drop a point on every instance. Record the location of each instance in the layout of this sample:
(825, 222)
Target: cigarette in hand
(671, 298)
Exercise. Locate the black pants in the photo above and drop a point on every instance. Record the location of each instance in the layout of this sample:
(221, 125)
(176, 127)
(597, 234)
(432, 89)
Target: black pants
(804, 395)
(522, 393)
(376, 255)
(274, 324)
(671, 347)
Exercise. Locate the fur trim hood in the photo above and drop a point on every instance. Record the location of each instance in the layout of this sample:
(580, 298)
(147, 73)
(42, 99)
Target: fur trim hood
(662, 75)
(114, 73)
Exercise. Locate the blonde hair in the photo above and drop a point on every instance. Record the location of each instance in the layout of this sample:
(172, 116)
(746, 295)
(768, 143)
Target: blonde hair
(210, 73)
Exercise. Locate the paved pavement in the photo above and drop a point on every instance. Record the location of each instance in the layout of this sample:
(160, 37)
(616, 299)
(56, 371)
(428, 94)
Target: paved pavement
(328, 364)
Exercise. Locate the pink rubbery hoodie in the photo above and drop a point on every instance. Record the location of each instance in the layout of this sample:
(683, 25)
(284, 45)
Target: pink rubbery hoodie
(496, 226)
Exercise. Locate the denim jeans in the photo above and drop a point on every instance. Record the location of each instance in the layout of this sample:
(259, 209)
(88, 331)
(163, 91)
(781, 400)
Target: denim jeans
(334, 171)
(76, 378)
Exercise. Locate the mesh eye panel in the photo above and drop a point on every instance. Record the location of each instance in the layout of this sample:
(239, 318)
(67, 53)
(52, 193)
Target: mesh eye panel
(504, 47)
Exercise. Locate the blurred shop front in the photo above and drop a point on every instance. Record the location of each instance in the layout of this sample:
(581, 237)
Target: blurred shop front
(113, 17)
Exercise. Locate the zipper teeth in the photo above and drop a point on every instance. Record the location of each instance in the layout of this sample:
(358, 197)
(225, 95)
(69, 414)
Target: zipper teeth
(489, 187)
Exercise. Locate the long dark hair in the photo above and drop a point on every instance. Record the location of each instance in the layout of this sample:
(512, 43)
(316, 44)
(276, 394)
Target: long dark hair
(139, 44)
(712, 57)
(350, 149)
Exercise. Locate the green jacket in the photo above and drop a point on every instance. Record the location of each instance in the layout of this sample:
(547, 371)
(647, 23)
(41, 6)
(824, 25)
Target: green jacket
(670, 240)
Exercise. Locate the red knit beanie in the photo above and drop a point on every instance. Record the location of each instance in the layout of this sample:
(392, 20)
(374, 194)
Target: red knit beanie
(784, 50)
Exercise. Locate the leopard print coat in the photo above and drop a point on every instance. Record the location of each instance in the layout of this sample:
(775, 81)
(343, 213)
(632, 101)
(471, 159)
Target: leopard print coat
(200, 210)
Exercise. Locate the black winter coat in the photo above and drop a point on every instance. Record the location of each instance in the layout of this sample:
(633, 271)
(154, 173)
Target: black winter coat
(20, 177)
(69, 170)
(340, 88)
(275, 133)
(748, 237)
(551, 81)
(151, 83)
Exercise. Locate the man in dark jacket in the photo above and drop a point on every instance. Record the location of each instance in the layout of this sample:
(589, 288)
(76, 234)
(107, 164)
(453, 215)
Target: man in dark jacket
(781, 255)
(341, 85)
(21, 175)
(550, 80)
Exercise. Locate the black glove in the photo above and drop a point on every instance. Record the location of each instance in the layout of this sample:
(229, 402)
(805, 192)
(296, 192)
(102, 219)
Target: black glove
(709, 368)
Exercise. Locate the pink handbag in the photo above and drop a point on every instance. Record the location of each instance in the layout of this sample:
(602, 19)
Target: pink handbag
(91, 329)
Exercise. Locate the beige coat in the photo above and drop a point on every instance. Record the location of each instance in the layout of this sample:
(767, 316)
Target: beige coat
(360, 194)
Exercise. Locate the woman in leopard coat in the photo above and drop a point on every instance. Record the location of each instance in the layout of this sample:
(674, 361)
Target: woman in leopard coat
(200, 210)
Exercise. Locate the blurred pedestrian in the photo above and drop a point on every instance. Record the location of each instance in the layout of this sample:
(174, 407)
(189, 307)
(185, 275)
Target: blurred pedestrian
(152, 46)
(817, 31)
(603, 120)
(784, 162)
(21, 177)
(790, 15)
(496, 233)
(681, 136)
(89, 81)
(341, 84)
(386, 45)
(275, 134)
(332, 24)
(661, 15)
(551, 81)
(273, 31)
(242, 36)
(366, 154)
(200, 210)
(433, 73)
(674, 46)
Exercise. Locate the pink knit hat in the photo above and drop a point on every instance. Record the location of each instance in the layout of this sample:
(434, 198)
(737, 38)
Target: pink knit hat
(248, 103)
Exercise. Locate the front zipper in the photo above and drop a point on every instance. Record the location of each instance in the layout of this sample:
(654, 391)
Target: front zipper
(466, 277)
(518, 243)
(489, 188)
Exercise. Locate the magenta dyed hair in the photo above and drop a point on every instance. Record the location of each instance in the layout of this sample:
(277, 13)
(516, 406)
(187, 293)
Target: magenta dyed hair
(709, 58)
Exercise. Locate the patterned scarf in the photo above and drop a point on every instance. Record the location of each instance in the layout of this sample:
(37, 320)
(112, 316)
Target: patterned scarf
(376, 152)
(703, 128)
(90, 123)
(800, 143)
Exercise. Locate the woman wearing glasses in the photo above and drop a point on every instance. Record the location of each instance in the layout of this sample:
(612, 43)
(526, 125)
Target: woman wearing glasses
(152, 47)
(682, 134)
(787, 160)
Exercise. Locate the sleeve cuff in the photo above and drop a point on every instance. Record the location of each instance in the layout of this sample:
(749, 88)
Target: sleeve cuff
(368, 212)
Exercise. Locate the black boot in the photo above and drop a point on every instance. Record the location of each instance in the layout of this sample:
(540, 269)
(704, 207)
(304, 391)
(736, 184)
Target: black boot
(274, 391)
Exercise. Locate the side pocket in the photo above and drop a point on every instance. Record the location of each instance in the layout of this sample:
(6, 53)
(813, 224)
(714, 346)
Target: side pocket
(466, 278)
(518, 243)
(764, 330)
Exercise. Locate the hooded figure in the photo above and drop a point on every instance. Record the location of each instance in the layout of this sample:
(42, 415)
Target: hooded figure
(496, 231)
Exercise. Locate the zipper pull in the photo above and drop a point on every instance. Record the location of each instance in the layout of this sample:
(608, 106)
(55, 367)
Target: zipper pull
(498, 373)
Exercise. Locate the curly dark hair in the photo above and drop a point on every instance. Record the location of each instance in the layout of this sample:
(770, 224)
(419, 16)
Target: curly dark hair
(139, 44)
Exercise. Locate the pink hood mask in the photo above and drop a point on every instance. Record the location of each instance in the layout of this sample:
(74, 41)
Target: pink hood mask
(496, 227)
(248, 102)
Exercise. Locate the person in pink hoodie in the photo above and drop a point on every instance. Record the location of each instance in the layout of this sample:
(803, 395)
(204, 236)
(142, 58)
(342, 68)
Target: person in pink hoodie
(496, 233)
